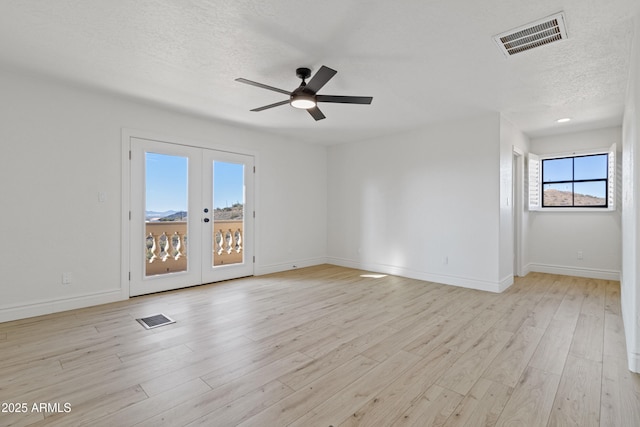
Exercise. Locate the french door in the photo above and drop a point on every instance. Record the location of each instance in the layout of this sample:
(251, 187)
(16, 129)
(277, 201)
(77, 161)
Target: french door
(191, 216)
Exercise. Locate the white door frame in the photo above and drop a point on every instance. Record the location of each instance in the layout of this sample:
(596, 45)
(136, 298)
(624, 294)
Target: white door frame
(125, 235)
(517, 208)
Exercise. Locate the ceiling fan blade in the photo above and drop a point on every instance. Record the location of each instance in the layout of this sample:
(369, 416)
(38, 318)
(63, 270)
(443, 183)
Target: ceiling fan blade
(266, 107)
(316, 113)
(345, 99)
(320, 79)
(252, 83)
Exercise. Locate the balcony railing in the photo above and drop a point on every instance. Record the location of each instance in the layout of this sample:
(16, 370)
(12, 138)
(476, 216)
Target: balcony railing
(166, 245)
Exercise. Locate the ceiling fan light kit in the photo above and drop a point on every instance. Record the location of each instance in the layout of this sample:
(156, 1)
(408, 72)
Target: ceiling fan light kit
(300, 99)
(306, 95)
(302, 103)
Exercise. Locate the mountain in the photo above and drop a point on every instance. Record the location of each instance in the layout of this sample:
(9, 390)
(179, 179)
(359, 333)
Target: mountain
(155, 214)
(563, 198)
(234, 212)
(177, 216)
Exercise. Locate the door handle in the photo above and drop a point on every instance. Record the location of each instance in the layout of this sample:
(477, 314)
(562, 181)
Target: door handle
(206, 220)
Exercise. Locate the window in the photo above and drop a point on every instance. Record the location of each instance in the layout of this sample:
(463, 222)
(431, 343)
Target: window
(577, 181)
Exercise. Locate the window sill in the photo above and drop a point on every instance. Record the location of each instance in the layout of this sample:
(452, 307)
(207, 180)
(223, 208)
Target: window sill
(600, 210)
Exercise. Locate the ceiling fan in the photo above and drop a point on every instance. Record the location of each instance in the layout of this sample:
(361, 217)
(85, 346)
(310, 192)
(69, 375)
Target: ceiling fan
(306, 95)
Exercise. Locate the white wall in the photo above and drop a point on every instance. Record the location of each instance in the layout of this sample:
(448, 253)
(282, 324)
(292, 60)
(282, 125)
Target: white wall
(513, 215)
(556, 237)
(401, 204)
(61, 145)
(630, 277)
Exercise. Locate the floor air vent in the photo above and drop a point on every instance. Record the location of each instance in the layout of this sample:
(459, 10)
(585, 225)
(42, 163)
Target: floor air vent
(530, 36)
(155, 321)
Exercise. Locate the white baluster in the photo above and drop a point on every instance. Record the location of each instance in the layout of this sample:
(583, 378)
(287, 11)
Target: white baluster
(184, 245)
(219, 242)
(238, 238)
(165, 247)
(152, 247)
(229, 239)
(176, 242)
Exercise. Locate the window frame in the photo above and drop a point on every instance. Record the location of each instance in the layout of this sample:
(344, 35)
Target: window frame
(535, 186)
(574, 181)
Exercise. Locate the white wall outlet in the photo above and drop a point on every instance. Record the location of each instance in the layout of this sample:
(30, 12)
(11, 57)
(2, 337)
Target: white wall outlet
(580, 255)
(67, 278)
(102, 196)
(445, 260)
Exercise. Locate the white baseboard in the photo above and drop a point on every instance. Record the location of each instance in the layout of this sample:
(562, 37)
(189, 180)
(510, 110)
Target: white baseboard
(526, 269)
(633, 360)
(631, 328)
(505, 283)
(289, 265)
(464, 282)
(591, 273)
(39, 308)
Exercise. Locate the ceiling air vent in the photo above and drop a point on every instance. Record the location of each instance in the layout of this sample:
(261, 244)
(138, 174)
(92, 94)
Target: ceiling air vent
(530, 36)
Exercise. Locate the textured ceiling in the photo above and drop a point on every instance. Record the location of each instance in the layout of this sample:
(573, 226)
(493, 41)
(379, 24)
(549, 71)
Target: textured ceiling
(422, 60)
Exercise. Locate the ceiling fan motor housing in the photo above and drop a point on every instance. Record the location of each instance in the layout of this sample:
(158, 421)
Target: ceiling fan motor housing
(303, 73)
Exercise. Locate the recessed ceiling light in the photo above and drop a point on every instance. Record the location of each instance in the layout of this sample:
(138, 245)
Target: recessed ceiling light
(565, 120)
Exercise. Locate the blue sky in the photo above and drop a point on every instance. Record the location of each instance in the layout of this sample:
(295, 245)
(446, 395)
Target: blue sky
(166, 183)
(228, 185)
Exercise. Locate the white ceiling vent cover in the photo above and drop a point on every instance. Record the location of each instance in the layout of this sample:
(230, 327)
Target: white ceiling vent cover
(530, 36)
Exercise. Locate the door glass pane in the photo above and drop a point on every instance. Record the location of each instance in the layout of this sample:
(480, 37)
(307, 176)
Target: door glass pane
(228, 213)
(165, 213)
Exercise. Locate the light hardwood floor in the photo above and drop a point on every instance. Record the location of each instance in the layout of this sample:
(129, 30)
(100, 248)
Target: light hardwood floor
(323, 346)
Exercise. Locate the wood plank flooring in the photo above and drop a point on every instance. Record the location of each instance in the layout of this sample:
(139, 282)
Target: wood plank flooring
(323, 346)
